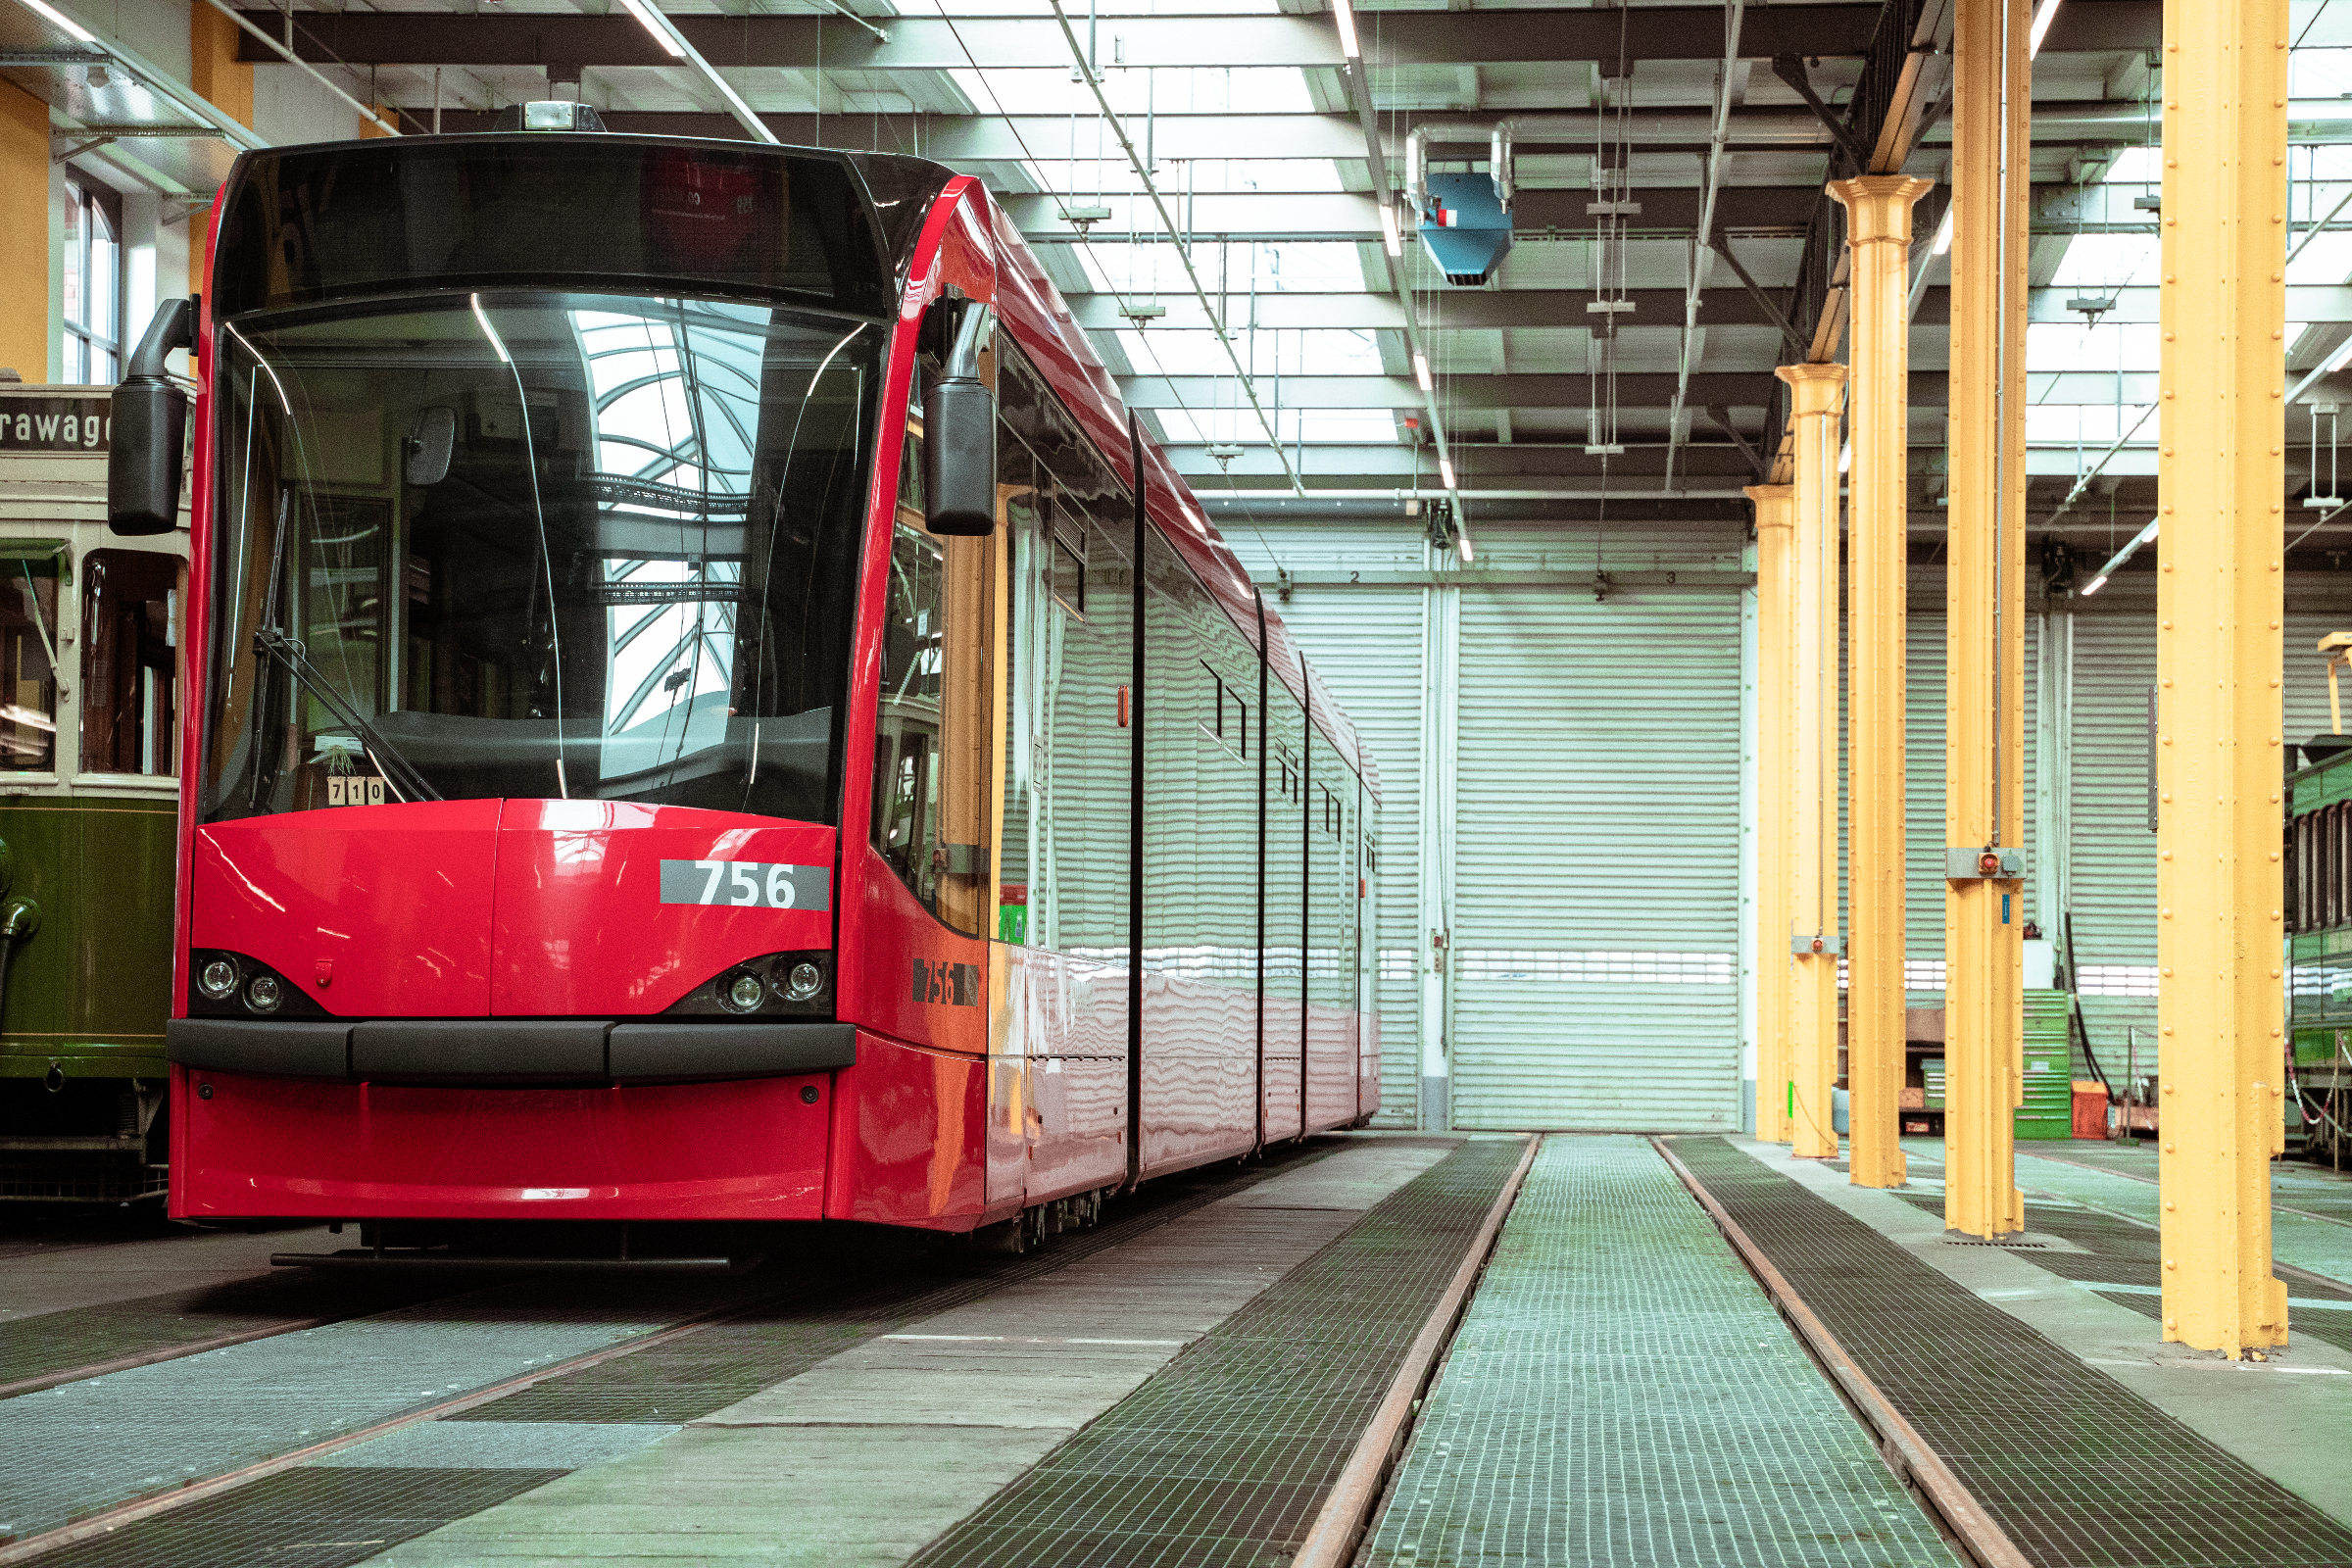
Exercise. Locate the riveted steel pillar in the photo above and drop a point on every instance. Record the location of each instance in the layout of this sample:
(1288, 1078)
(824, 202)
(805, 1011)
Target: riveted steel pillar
(226, 82)
(1877, 230)
(27, 336)
(2221, 484)
(1984, 608)
(1776, 670)
(1813, 939)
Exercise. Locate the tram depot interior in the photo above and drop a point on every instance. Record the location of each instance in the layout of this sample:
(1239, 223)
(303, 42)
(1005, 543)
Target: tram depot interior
(1607, 818)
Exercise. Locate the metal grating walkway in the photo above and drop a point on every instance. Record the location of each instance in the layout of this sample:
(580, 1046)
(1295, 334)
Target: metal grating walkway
(689, 1378)
(1622, 1392)
(1222, 1459)
(2075, 1468)
(373, 1506)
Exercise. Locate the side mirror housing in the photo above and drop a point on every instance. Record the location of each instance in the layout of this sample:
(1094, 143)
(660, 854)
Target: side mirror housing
(959, 460)
(960, 430)
(150, 430)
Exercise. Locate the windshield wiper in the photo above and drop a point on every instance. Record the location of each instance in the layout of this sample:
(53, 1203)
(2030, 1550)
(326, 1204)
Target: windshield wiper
(403, 780)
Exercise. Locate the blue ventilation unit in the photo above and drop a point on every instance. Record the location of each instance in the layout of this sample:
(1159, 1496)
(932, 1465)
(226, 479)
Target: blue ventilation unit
(1464, 227)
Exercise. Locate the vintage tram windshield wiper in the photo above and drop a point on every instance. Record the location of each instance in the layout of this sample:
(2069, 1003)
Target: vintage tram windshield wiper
(403, 779)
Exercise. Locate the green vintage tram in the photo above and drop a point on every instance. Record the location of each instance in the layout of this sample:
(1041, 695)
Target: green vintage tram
(89, 795)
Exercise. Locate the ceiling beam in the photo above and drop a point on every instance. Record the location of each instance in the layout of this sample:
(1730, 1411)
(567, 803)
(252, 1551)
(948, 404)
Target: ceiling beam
(1638, 391)
(1750, 210)
(926, 43)
(991, 138)
(1483, 310)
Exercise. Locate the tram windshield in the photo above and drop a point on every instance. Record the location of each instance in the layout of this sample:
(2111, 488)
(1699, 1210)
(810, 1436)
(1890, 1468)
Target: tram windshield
(536, 544)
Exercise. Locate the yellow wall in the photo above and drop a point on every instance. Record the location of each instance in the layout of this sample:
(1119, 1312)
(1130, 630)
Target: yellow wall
(24, 326)
(214, 71)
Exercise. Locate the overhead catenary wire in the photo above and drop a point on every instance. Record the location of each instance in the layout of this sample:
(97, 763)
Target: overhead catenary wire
(1248, 387)
(1086, 240)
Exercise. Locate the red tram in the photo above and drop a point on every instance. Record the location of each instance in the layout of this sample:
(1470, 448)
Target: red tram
(705, 707)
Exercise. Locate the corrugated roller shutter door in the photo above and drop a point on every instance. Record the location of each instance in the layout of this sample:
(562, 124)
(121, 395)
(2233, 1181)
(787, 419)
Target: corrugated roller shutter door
(1596, 895)
(2114, 855)
(1366, 642)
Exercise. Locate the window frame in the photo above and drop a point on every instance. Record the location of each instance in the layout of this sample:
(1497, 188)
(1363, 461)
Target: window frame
(80, 340)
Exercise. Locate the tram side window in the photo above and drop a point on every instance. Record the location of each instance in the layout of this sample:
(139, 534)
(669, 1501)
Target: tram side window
(29, 667)
(129, 709)
(932, 734)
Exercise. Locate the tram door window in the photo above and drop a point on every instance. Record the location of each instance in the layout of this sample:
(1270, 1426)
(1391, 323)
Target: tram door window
(129, 711)
(1026, 547)
(28, 665)
(933, 773)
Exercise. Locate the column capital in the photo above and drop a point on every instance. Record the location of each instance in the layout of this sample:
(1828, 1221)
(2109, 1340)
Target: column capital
(1775, 505)
(1877, 207)
(1817, 386)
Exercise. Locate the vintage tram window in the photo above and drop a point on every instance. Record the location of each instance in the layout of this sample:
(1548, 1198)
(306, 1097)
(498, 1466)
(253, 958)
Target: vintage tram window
(130, 658)
(28, 665)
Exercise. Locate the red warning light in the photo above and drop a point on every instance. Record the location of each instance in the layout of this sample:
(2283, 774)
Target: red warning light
(1990, 864)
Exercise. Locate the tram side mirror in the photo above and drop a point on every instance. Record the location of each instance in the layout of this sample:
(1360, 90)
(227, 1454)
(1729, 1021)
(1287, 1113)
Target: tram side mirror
(147, 442)
(959, 438)
(425, 450)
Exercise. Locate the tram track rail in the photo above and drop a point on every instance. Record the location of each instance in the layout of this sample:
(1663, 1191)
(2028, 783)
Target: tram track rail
(904, 1286)
(1338, 1531)
(1955, 1508)
(165, 1353)
(105, 1521)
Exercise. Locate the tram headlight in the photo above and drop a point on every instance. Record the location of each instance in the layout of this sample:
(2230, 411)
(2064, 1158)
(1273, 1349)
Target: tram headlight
(744, 991)
(217, 979)
(804, 982)
(264, 993)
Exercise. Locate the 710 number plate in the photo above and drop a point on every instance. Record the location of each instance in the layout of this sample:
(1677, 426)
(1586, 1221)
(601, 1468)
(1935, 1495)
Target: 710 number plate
(746, 884)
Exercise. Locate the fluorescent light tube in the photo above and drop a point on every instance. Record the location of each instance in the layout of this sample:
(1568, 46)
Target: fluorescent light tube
(1421, 372)
(1345, 15)
(2043, 15)
(2093, 586)
(56, 18)
(1944, 235)
(1387, 230)
(1461, 542)
(654, 23)
(1446, 470)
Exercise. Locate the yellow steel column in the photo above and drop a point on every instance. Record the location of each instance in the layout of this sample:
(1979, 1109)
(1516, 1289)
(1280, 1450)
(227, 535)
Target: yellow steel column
(1812, 866)
(226, 82)
(1775, 665)
(1878, 228)
(24, 324)
(1984, 605)
(2221, 484)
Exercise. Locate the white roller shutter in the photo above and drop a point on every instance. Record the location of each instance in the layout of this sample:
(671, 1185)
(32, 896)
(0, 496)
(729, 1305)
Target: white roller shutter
(1596, 897)
(1368, 643)
(2114, 855)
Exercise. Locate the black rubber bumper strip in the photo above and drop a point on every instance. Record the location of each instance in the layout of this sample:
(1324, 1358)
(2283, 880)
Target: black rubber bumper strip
(295, 1049)
(641, 1050)
(442, 1049)
(510, 1049)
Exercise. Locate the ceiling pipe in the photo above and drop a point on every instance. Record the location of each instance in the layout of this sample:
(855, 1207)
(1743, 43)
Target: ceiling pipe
(1499, 138)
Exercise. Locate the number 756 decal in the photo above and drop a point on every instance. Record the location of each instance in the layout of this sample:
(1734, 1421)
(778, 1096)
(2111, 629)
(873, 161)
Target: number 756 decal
(746, 884)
